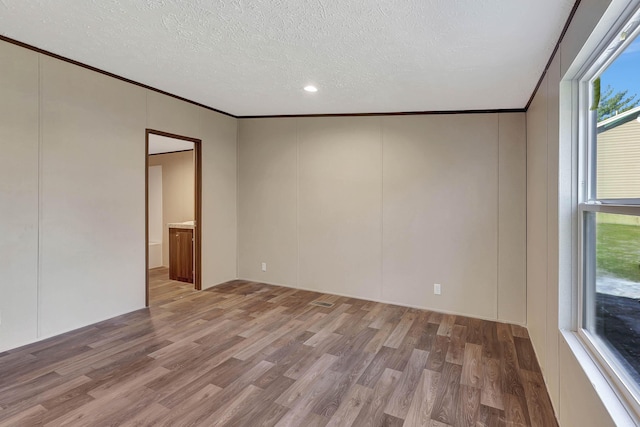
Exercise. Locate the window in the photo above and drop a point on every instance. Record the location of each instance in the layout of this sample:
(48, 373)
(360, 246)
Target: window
(609, 212)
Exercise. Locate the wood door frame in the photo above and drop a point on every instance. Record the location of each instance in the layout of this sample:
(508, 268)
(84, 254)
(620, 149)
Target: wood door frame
(197, 235)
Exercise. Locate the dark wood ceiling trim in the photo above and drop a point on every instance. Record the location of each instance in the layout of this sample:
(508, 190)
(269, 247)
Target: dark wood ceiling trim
(174, 136)
(553, 54)
(401, 113)
(106, 73)
(170, 152)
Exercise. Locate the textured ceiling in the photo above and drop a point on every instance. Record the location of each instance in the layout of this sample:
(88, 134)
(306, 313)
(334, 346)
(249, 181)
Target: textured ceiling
(254, 57)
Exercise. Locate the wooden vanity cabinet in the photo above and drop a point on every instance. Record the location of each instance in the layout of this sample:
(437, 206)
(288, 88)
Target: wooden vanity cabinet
(181, 254)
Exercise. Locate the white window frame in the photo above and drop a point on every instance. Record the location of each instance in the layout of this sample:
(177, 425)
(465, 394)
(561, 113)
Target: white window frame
(628, 392)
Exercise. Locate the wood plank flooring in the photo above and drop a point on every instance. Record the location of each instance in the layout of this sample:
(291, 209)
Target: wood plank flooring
(250, 354)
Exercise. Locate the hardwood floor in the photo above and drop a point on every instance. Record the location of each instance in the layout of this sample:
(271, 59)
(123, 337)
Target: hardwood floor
(250, 354)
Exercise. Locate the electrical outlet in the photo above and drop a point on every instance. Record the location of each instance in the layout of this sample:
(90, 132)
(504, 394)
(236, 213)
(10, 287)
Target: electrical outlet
(436, 289)
(264, 266)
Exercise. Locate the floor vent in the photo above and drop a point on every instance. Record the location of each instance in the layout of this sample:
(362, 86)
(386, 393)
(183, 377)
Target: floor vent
(321, 303)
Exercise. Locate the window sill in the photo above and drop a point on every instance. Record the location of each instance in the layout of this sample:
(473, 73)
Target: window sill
(601, 385)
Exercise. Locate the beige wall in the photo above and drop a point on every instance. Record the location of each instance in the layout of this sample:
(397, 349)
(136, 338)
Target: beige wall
(339, 205)
(91, 180)
(579, 392)
(178, 192)
(384, 207)
(18, 195)
(72, 188)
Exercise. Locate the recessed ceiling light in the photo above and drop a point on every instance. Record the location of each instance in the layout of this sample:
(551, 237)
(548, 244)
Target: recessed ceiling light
(311, 88)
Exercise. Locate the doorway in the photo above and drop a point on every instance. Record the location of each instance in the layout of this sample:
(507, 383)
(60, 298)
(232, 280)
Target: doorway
(173, 201)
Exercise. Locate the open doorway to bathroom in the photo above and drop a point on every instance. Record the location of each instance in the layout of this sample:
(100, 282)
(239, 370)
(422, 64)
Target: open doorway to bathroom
(173, 212)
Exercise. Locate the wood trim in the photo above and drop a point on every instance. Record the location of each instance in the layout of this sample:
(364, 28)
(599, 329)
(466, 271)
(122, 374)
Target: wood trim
(553, 54)
(197, 149)
(198, 215)
(399, 113)
(146, 219)
(174, 136)
(107, 73)
(171, 152)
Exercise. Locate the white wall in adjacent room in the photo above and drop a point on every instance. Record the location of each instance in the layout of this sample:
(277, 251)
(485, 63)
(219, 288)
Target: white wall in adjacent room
(155, 203)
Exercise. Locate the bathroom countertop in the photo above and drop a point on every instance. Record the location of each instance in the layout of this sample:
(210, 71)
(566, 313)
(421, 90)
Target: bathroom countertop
(186, 224)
